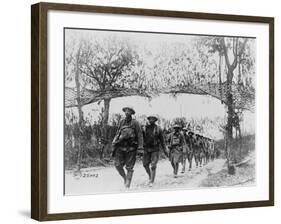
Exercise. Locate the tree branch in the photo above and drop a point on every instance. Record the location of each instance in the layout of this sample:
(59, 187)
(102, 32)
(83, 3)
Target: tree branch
(225, 53)
(91, 96)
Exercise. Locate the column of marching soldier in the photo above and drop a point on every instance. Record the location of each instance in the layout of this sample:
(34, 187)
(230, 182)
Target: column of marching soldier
(180, 144)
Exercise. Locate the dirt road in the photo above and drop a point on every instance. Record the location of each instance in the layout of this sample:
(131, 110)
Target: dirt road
(107, 180)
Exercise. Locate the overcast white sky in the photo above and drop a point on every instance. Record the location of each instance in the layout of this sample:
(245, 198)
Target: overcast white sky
(170, 107)
(151, 40)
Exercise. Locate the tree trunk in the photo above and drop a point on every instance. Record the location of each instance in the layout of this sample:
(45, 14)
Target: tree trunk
(240, 141)
(106, 111)
(229, 131)
(230, 105)
(102, 152)
(226, 152)
(239, 71)
(220, 80)
(79, 107)
(105, 134)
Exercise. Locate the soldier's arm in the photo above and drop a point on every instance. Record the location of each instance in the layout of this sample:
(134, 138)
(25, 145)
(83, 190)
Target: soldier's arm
(183, 140)
(184, 145)
(162, 142)
(117, 133)
(139, 134)
(161, 139)
(190, 142)
(169, 140)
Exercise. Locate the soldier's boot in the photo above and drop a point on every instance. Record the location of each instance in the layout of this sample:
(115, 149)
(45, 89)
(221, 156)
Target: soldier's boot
(153, 174)
(190, 165)
(173, 165)
(183, 166)
(196, 162)
(129, 178)
(176, 170)
(121, 172)
(148, 171)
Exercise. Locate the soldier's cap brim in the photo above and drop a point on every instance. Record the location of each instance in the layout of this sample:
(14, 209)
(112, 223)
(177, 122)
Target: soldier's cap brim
(152, 117)
(129, 108)
(176, 126)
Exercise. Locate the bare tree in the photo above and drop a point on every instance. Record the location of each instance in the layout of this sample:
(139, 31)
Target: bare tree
(107, 63)
(237, 50)
(234, 92)
(73, 75)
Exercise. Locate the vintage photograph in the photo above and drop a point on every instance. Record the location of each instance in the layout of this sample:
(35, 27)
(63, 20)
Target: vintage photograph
(148, 111)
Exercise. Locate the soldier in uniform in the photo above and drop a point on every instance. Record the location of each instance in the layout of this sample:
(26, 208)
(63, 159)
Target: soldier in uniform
(212, 149)
(153, 141)
(184, 151)
(206, 149)
(188, 153)
(127, 141)
(176, 145)
(198, 150)
(190, 149)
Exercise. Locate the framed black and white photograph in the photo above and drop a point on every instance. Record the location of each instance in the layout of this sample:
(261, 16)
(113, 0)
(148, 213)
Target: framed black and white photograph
(138, 111)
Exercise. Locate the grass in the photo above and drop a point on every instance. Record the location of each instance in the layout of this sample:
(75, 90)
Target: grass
(244, 170)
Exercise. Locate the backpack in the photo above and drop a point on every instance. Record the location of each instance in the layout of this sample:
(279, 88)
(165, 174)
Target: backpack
(127, 133)
(176, 139)
(155, 136)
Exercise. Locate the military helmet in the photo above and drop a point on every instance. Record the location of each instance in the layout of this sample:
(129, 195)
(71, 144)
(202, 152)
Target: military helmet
(129, 108)
(152, 117)
(176, 126)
